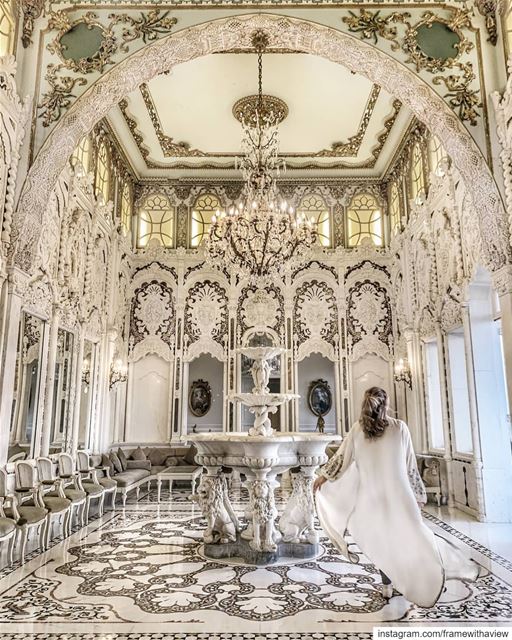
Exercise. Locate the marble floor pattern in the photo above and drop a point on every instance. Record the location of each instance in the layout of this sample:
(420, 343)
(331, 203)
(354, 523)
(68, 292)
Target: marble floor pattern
(138, 574)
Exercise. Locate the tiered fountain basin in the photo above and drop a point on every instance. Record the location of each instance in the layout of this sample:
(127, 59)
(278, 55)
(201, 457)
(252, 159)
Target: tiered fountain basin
(260, 459)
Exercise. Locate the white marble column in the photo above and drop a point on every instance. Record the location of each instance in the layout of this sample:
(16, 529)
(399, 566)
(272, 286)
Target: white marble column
(473, 409)
(10, 323)
(78, 392)
(50, 381)
(416, 408)
(441, 348)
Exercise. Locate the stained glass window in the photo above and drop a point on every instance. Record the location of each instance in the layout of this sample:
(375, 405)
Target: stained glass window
(156, 221)
(417, 174)
(82, 153)
(102, 178)
(205, 207)
(364, 220)
(436, 155)
(395, 209)
(126, 207)
(315, 209)
(7, 29)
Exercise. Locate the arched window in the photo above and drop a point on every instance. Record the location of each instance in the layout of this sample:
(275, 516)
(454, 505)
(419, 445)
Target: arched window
(7, 28)
(436, 155)
(82, 153)
(394, 207)
(315, 209)
(417, 174)
(205, 207)
(126, 207)
(156, 221)
(102, 177)
(364, 220)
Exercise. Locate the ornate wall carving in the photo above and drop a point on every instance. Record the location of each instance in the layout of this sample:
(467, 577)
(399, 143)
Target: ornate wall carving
(152, 319)
(206, 319)
(315, 318)
(259, 308)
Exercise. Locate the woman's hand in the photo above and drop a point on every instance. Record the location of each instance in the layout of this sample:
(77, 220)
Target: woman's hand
(318, 483)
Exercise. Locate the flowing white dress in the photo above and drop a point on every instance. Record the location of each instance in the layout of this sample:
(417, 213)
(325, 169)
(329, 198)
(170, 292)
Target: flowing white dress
(373, 494)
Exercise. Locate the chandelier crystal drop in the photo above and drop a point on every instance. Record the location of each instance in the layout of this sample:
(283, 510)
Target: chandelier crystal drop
(260, 238)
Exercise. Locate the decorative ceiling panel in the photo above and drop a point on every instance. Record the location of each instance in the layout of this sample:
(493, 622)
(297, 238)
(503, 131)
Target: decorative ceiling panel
(336, 119)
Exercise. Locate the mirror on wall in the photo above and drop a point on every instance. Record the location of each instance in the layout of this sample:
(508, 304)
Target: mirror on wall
(87, 389)
(62, 410)
(27, 387)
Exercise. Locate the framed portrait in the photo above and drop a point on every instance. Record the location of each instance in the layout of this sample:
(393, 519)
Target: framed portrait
(320, 397)
(200, 398)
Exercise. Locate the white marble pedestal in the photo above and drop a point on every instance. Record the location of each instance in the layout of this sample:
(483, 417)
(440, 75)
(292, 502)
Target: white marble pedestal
(260, 459)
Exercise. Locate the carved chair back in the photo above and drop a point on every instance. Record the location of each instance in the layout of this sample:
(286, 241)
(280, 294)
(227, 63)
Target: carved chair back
(82, 461)
(66, 465)
(25, 474)
(3, 483)
(45, 469)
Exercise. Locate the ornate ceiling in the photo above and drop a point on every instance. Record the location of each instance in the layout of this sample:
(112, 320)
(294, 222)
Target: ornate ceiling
(182, 123)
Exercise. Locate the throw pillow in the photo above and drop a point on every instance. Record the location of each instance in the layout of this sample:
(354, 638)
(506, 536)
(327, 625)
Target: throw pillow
(138, 454)
(171, 461)
(157, 456)
(122, 458)
(191, 455)
(116, 462)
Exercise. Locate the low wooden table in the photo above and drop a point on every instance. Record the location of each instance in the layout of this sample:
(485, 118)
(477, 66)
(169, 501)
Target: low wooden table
(170, 474)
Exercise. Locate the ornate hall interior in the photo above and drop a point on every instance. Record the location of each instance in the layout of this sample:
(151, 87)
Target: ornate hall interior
(221, 222)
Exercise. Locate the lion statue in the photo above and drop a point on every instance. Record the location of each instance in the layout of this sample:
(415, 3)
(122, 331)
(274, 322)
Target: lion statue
(212, 498)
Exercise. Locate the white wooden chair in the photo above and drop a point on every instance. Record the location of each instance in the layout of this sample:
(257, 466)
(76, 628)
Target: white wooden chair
(78, 498)
(93, 490)
(31, 492)
(83, 463)
(25, 517)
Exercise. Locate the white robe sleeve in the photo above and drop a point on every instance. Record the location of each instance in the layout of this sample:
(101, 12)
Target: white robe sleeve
(415, 480)
(339, 462)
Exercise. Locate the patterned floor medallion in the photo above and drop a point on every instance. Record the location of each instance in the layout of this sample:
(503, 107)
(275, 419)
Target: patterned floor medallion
(138, 574)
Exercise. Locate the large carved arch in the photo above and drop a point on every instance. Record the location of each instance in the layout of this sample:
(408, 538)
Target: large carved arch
(284, 33)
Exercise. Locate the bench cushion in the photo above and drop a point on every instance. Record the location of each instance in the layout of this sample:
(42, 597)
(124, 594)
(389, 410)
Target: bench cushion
(126, 478)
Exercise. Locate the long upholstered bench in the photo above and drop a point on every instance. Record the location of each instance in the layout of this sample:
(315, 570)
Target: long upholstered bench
(134, 473)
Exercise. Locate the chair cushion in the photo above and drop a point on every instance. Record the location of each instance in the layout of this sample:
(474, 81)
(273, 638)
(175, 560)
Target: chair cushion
(75, 495)
(91, 488)
(114, 458)
(55, 505)
(6, 526)
(138, 454)
(30, 515)
(123, 459)
(107, 483)
(126, 478)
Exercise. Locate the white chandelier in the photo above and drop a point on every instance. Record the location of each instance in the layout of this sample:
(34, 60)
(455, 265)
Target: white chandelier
(261, 237)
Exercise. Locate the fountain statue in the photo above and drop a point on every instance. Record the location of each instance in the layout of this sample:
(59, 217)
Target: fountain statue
(260, 455)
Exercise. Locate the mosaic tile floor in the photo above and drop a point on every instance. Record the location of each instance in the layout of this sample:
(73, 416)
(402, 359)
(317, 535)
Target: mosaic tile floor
(138, 574)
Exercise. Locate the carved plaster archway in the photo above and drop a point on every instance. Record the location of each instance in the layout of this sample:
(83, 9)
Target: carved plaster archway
(284, 33)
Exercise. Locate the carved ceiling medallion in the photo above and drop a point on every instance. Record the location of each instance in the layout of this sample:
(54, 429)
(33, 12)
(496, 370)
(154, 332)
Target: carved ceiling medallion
(245, 110)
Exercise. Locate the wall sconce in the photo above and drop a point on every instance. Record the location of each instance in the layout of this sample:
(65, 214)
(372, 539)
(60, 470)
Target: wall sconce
(403, 373)
(118, 373)
(86, 373)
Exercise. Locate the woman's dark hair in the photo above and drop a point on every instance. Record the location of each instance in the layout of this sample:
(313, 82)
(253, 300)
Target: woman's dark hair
(374, 418)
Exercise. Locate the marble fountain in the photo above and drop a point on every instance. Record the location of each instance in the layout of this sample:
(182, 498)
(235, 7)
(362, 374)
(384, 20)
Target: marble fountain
(260, 455)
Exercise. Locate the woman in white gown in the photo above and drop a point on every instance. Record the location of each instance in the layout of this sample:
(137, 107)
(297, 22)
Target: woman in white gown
(375, 493)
